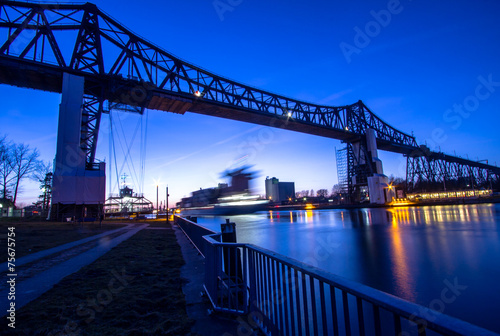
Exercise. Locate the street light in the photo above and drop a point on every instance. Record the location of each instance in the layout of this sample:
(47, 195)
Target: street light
(389, 187)
(157, 183)
(166, 211)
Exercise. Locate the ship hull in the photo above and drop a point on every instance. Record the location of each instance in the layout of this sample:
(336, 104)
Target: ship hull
(223, 210)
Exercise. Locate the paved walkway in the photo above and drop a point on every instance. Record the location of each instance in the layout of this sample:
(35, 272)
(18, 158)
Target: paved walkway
(198, 306)
(38, 255)
(36, 284)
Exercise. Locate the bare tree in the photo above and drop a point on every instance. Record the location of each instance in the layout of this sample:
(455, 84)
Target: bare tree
(6, 167)
(41, 170)
(24, 162)
(44, 173)
(337, 189)
(322, 193)
(397, 181)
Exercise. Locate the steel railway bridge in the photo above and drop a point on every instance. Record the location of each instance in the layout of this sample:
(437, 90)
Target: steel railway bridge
(92, 59)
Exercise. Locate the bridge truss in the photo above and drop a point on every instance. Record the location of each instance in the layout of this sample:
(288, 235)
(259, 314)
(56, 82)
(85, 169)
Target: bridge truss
(40, 42)
(438, 171)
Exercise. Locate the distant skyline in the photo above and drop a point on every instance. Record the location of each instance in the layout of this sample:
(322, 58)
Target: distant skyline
(427, 68)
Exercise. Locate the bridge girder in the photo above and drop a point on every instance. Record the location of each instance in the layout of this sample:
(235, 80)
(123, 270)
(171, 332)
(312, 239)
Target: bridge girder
(428, 173)
(137, 72)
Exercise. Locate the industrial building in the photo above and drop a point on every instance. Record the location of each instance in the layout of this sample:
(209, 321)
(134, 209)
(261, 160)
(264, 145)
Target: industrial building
(279, 192)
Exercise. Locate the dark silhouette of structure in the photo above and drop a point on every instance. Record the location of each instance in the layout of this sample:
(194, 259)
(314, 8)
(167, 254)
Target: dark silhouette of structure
(107, 62)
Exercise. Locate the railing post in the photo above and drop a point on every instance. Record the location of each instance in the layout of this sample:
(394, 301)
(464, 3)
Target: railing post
(217, 273)
(210, 272)
(252, 281)
(233, 268)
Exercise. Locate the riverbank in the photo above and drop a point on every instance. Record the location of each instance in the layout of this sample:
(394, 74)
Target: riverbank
(313, 206)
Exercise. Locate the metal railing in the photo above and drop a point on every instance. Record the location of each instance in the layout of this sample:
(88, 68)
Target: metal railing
(283, 296)
(193, 232)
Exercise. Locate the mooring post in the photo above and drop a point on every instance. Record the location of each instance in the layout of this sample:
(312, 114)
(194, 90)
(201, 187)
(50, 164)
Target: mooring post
(231, 255)
(228, 230)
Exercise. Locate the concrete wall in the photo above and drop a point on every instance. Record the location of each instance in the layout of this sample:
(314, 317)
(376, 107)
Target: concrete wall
(73, 183)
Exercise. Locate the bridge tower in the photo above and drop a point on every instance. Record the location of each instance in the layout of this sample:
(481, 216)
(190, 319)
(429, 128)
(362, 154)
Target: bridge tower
(363, 176)
(79, 183)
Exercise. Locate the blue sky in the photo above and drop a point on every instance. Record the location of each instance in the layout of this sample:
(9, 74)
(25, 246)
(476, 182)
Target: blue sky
(415, 63)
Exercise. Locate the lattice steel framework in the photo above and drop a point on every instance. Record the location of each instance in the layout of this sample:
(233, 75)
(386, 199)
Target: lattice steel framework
(354, 162)
(104, 51)
(91, 118)
(40, 42)
(430, 173)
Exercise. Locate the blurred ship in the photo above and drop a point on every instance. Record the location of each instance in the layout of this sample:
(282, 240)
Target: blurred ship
(234, 199)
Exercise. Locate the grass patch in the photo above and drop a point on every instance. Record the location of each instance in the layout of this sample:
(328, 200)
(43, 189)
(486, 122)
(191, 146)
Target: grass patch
(34, 237)
(134, 289)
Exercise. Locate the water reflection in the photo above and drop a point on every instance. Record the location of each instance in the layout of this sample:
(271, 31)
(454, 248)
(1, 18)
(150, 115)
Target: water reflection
(404, 283)
(405, 251)
(442, 214)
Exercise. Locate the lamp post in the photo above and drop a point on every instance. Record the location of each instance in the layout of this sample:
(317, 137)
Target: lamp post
(166, 212)
(388, 193)
(157, 200)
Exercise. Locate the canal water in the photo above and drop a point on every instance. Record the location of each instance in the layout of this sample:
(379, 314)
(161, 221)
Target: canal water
(443, 257)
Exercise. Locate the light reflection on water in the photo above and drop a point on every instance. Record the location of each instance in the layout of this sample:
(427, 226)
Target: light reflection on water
(406, 251)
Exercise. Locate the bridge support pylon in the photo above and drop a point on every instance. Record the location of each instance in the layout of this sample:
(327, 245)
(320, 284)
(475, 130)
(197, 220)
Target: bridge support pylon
(78, 189)
(367, 178)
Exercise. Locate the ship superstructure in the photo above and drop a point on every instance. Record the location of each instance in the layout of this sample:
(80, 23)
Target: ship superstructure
(224, 199)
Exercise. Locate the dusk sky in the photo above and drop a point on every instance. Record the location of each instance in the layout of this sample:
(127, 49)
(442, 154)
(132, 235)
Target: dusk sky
(427, 67)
